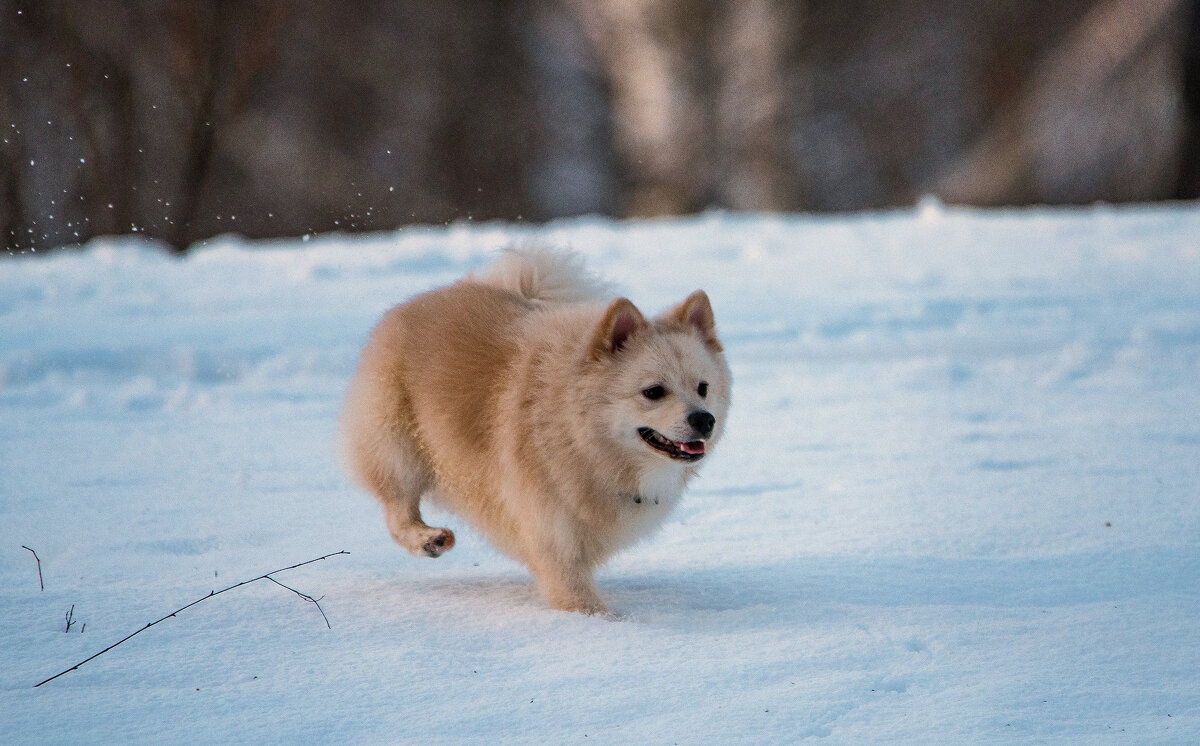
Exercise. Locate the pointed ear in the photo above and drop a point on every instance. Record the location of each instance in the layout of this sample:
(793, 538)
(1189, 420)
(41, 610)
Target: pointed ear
(697, 312)
(620, 320)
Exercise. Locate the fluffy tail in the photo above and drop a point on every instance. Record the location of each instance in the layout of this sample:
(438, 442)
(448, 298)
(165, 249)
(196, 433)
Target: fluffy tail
(543, 274)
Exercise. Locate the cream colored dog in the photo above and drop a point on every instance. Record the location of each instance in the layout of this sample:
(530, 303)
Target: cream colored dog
(562, 427)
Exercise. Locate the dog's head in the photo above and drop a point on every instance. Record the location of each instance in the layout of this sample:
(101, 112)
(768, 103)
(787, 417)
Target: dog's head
(666, 386)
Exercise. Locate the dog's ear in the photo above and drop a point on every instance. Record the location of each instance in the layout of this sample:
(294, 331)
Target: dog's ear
(620, 320)
(697, 312)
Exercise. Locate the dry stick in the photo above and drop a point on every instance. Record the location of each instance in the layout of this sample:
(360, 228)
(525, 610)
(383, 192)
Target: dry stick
(39, 561)
(306, 597)
(266, 576)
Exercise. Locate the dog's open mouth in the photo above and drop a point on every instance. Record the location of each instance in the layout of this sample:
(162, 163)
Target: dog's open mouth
(691, 451)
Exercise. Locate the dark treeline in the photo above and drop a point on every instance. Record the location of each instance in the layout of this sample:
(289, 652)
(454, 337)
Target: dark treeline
(185, 119)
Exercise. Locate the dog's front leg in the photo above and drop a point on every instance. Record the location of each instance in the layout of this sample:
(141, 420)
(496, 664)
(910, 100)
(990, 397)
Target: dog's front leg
(568, 585)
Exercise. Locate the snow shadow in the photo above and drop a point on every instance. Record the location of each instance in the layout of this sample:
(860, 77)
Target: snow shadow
(1065, 580)
(798, 587)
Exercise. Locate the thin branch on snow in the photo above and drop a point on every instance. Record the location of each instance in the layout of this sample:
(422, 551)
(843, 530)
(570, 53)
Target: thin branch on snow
(39, 564)
(264, 576)
(306, 597)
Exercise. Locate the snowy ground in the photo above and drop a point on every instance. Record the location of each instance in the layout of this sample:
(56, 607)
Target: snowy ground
(958, 498)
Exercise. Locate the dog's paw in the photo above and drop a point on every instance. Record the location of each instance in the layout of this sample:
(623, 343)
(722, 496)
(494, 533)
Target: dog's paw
(424, 541)
(437, 541)
(588, 608)
(586, 604)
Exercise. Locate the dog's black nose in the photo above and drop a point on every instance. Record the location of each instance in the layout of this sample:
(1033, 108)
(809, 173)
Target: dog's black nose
(702, 422)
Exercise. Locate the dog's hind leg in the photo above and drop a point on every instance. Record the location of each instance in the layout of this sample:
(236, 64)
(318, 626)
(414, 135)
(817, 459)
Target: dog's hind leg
(386, 461)
(400, 492)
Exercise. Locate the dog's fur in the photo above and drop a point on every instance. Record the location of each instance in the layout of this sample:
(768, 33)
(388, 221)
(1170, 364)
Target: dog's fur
(517, 399)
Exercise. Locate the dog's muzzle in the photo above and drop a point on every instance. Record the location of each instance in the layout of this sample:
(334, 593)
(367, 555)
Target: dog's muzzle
(690, 451)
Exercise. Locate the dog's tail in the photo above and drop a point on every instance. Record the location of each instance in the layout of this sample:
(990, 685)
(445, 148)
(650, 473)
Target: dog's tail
(543, 274)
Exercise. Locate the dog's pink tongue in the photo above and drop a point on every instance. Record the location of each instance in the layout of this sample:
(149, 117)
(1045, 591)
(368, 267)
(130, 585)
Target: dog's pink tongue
(692, 448)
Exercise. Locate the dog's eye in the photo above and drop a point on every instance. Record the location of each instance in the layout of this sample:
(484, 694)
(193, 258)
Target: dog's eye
(654, 392)
(702, 389)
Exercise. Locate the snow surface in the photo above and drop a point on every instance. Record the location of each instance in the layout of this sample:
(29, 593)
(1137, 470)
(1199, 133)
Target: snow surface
(957, 500)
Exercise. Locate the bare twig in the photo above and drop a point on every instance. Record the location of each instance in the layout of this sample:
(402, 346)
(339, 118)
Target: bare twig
(306, 597)
(70, 618)
(264, 576)
(39, 563)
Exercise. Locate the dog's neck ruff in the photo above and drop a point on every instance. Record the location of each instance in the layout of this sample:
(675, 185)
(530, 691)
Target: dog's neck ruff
(658, 487)
(637, 498)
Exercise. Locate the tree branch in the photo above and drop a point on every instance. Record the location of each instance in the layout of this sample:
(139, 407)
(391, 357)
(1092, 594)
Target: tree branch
(305, 596)
(265, 576)
(39, 563)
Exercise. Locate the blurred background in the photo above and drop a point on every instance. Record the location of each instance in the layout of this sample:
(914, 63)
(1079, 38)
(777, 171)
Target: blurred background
(181, 120)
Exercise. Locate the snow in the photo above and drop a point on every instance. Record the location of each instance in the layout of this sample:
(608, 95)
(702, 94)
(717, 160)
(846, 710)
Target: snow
(957, 499)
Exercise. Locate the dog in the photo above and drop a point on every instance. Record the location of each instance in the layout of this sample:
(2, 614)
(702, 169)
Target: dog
(561, 423)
